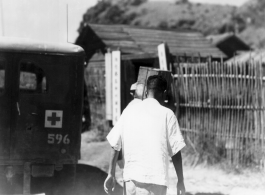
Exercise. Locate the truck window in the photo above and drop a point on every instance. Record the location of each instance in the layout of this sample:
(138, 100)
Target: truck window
(2, 76)
(32, 78)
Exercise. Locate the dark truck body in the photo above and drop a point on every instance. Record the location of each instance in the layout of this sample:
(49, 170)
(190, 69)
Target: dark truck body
(41, 92)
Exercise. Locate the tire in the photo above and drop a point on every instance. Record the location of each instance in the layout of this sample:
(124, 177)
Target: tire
(64, 180)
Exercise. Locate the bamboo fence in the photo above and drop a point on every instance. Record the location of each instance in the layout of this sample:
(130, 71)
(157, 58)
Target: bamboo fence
(223, 104)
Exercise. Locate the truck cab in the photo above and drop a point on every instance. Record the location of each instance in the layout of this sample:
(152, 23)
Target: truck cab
(41, 93)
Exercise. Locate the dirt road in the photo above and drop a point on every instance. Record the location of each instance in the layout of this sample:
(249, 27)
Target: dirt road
(199, 180)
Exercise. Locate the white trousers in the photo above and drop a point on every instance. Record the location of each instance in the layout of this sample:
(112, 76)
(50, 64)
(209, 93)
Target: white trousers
(137, 188)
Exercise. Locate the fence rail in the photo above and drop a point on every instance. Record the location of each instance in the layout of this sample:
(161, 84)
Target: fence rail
(224, 104)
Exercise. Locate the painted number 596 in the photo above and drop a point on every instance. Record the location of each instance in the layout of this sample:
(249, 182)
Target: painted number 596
(58, 138)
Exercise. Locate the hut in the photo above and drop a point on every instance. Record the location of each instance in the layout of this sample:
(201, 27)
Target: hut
(229, 43)
(138, 47)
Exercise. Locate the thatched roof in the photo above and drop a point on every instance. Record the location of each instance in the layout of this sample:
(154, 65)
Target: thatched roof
(139, 40)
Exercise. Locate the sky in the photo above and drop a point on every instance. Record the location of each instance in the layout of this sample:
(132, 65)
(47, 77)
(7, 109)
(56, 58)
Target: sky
(53, 20)
(42, 19)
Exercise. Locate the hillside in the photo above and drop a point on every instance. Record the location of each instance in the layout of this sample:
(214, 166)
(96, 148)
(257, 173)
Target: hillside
(246, 21)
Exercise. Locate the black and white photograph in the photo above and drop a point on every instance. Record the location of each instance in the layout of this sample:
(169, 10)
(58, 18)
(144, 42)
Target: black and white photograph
(132, 97)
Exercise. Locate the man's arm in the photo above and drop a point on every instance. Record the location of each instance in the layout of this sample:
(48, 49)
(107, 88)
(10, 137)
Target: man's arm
(177, 162)
(110, 181)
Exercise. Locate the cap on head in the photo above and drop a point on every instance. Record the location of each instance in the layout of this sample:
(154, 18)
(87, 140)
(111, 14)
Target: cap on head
(133, 87)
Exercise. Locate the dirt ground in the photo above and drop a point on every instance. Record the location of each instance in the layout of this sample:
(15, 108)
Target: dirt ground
(199, 180)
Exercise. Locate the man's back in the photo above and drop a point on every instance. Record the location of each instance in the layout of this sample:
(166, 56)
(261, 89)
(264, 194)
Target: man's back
(145, 141)
(148, 133)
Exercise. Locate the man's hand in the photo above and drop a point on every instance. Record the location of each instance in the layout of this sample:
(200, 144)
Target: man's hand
(181, 188)
(109, 184)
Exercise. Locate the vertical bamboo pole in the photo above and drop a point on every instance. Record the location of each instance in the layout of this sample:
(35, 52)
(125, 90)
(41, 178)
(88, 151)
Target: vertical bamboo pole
(218, 96)
(245, 112)
(212, 76)
(253, 121)
(207, 98)
(200, 99)
(186, 95)
(237, 122)
(230, 130)
(261, 112)
(204, 106)
(197, 108)
(183, 95)
(192, 101)
(222, 99)
(251, 113)
(219, 103)
(263, 115)
(233, 100)
(241, 113)
(258, 110)
(225, 117)
(255, 108)
(187, 74)
(210, 100)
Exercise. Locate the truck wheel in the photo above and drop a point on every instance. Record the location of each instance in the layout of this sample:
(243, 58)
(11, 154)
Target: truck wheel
(64, 180)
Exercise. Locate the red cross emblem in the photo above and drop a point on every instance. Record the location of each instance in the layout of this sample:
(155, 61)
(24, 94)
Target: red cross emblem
(53, 119)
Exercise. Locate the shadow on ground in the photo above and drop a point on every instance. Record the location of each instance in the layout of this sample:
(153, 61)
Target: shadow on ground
(90, 180)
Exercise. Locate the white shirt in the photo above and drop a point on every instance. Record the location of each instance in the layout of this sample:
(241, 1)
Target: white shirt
(150, 134)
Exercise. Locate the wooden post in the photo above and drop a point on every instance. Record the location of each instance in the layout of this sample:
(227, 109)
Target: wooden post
(116, 86)
(108, 84)
(164, 57)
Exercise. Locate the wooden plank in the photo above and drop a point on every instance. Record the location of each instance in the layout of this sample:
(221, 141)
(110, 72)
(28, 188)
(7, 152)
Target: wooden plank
(106, 28)
(179, 44)
(170, 39)
(139, 56)
(212, 51)
(173, 40)
(157, 32)
(189, 52)
(127, 50)
(121, 43)
(113, 35)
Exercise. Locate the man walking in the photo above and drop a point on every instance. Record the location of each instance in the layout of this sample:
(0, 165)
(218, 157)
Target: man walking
(148, 133)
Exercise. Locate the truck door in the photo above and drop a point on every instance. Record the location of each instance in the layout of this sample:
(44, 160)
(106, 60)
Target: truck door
(31, 90)
(5, 105)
